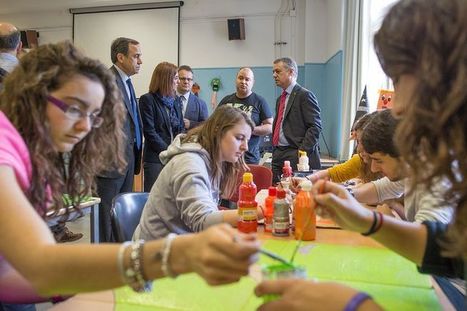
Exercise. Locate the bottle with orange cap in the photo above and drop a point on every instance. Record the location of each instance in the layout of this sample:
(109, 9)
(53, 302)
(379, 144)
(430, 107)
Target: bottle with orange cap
(304, 213)
(247, 205)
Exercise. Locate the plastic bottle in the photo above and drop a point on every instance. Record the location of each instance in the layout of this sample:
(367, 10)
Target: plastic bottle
(247, 206)
(304, 212)
(281, 221)
(303, 161)
(269, 209)
(286, 177)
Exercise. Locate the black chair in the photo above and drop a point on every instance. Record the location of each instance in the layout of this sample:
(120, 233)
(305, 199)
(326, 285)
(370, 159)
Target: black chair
(125, 214)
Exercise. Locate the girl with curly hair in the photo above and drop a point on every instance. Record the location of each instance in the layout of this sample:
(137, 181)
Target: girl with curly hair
(58, 102)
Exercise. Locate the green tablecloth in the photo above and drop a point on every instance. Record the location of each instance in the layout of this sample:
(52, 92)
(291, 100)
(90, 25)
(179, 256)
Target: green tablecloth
(392, 280)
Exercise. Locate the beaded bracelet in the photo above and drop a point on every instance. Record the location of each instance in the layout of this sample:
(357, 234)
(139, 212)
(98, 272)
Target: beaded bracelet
(356, 301)
(165, 267)
(120, 260)
(133, 275)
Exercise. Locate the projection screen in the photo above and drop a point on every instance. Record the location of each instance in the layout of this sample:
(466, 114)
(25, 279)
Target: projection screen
(157, 30)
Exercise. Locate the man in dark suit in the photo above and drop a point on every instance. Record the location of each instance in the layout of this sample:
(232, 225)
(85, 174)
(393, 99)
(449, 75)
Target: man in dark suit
(297, 123)
(126, 57)
(194, 109)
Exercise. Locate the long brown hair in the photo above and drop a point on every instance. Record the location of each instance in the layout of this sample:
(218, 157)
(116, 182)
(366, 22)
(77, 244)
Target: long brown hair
(428, 39)
(162, 79)
(210, 134)
(24, 102)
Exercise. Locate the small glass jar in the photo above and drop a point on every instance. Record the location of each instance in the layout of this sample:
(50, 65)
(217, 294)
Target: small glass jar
(281, 271)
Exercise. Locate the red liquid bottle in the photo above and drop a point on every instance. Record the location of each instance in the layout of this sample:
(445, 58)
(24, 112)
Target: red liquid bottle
(247, 206)
(269, 209)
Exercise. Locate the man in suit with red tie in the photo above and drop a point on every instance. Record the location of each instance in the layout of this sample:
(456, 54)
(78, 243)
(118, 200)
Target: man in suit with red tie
(126, 58)
(297, 123)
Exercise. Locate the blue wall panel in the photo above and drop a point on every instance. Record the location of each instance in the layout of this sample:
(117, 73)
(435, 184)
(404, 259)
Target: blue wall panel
(324, 80)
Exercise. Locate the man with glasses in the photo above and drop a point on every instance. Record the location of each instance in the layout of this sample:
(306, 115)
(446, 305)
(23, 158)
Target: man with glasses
(194, 109)
(126, 58)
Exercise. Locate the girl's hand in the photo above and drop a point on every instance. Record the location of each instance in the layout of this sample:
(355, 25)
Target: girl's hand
(334, 202)
(298, 295)
(220, 254)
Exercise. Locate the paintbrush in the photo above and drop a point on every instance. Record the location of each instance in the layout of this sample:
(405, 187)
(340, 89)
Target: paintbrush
(275, 256)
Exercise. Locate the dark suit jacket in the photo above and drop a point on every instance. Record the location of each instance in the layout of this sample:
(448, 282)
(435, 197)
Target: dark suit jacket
(156, 124)
(128, 129)
(196, 110)
(302, 122)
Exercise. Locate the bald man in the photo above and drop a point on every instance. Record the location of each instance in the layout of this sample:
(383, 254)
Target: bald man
(255, 106)
(10, 46)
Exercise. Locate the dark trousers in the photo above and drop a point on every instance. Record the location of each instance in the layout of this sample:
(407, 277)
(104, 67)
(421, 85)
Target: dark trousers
(151, 172)
(107, 189)
(279, 155)
(287, 153)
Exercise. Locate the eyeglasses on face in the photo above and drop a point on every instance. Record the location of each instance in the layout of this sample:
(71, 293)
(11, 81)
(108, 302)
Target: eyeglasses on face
(185, 79)
(73, 112)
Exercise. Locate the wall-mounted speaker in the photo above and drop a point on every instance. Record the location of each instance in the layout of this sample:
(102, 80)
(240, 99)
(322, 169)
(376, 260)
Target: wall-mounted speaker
(236, 28)
(29, 38)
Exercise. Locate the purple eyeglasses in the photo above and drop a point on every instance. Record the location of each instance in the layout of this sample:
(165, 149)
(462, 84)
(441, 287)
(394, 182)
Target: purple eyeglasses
(75, 113)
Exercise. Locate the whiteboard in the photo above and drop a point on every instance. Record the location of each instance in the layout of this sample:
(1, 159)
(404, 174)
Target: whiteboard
(157, 31)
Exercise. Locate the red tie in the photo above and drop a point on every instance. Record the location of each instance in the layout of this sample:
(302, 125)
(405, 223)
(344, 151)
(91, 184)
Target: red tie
(280, 116)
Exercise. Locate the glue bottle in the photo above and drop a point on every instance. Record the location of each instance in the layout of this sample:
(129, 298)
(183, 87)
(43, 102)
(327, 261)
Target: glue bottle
(304, 213)
(303, 165)
(269, 209)
(286, 177)
(247, 206)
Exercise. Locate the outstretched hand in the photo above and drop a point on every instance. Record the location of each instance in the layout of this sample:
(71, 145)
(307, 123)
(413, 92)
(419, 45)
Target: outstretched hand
(221, 254)
(298, 295)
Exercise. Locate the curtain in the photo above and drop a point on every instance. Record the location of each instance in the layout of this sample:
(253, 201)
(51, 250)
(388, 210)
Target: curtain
(352, 70)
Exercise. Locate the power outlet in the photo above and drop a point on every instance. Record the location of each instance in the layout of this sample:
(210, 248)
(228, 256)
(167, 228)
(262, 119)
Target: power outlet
(293, 13)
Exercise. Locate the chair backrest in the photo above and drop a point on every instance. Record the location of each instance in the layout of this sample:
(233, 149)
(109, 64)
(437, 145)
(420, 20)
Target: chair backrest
(125, 214)
(262, 177)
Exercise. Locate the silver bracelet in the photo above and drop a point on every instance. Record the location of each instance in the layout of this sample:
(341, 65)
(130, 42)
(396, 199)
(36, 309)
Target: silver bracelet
(165, 267)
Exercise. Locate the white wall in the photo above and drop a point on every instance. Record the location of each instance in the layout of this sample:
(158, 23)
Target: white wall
(323, 29)
(204, 33)
(204, 39)
(334, 33)
(53, 25)
(313, 31)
